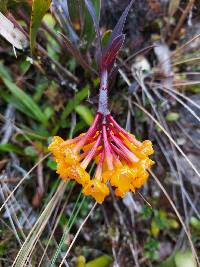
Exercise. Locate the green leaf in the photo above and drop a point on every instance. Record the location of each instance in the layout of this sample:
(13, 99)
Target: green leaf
(39, 9)
(172, 116)
(195, 223)
(103, 261)
(85, 114)
(169, 262)
(41, 86)
(4, 72)
(173, 224)
(105, 38)
(26, 101)
(179, 259)
(89, 29)
(49, 20)
(49, 111)
(52, 164)
(24, 66)
(3, 5)
(10, 148)
(75, 102)
(194, 88)
(184, 259)
(81, 261)
(16, 104)
(155, 230)
(30, 151)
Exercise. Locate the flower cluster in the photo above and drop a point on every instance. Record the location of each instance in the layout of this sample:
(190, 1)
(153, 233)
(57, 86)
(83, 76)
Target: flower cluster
(120, 159)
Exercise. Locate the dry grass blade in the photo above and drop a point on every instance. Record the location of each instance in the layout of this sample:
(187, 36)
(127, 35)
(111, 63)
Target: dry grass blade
(185, 45)
(189, 60)
(182, 103)
(185, 83)
(77, 233)
(170, 138)
(179, 49)
(55, 226)
(178, 215)
(180, 94)
(12, 220)
(30, 242)
(22, 180)
(181, 20)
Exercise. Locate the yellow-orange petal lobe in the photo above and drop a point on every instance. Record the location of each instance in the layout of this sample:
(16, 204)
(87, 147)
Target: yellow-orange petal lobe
(70, 156)
(63, 151)
(73, 172)
(114, 152)
(147, 148)
(96, 189)
(55, 148)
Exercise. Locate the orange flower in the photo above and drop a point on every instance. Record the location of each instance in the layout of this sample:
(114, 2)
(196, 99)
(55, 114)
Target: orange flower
(120, 159)
(96, 189)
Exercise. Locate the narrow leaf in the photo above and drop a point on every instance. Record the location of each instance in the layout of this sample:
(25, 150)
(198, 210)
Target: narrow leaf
(120, 24)
(93, 14)
(116, 39)
(105, 38)
(17, 104)
(76, 53)
(61, 9)
(111, 53)
(26, 100)
(102, 261)
(75, 102)
(173, 7)
(89, 32)
(85, 113)
(39, 9)
(4, 72)
(11, 148)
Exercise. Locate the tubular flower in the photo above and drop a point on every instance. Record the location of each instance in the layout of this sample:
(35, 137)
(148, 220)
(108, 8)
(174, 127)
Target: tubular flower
(121, 161)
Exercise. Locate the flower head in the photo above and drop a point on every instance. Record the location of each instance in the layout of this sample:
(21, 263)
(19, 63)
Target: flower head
(121, 160)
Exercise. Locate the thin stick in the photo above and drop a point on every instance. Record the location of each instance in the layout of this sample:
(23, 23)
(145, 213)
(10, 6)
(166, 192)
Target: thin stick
(169, 136)
(178, 215)
(144, 199)
(181, 21)
(80, 228)
(22, 180)
(186, 61)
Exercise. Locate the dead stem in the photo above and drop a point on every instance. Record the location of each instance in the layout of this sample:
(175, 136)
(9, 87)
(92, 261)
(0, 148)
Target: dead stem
(181, 21)
(179, 217)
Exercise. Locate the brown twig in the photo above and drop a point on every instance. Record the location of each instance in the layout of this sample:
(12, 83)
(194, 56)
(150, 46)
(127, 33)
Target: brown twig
(9, 180)
(181, 21)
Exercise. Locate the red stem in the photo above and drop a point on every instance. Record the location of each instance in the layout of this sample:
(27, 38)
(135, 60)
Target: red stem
(120, 153)
(108, 154)
(91, 154)
(125, 133)
(124, 150)
(90, 133)
(103, 93)
(100, 166)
